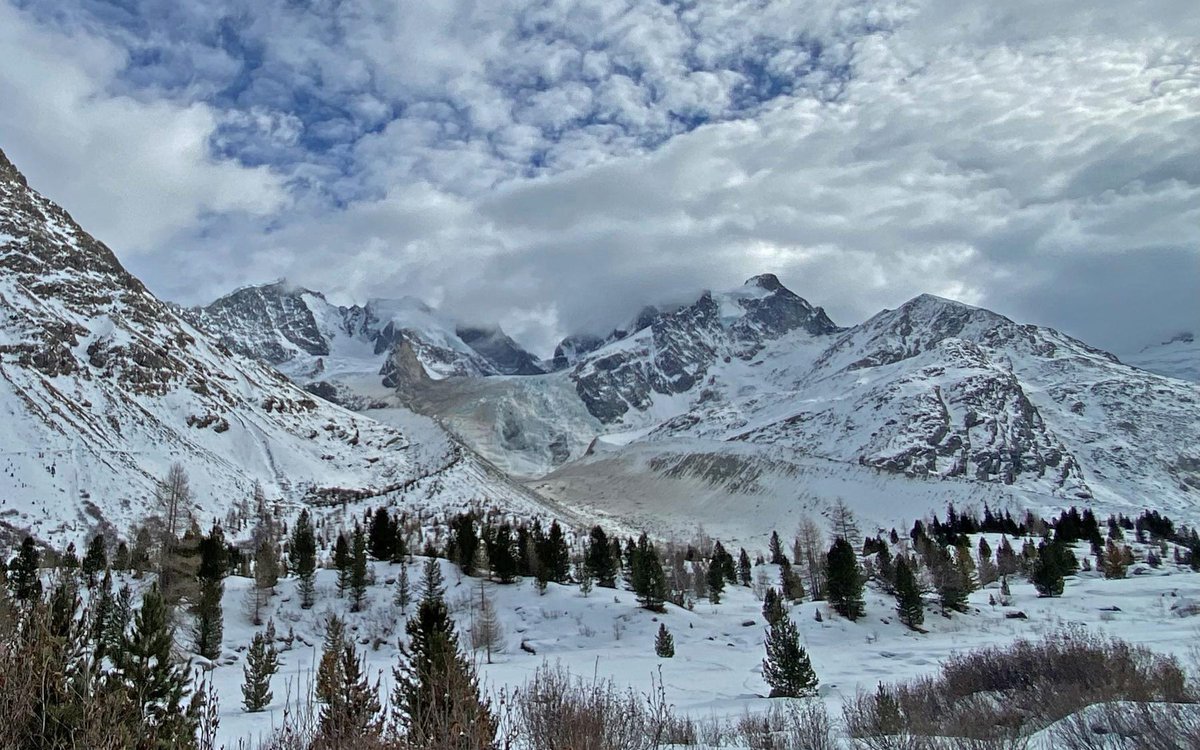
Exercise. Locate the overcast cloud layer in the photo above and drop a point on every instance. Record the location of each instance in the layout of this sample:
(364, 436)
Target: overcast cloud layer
(555, 165)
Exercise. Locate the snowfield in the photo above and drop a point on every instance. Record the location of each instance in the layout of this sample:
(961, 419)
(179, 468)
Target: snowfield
(719, 648)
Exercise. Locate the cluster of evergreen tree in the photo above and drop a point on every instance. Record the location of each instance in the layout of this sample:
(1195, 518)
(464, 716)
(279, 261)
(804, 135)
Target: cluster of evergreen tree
(102, 674)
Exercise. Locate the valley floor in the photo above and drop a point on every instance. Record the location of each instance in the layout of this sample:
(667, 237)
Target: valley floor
(719, 648)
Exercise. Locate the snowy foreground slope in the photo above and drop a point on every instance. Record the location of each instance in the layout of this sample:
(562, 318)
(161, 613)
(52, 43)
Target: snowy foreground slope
(717, 670)
(103, 387)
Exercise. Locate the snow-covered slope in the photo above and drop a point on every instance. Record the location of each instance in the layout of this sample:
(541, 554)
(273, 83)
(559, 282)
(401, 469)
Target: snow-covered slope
(103, 387)
(1178, 357)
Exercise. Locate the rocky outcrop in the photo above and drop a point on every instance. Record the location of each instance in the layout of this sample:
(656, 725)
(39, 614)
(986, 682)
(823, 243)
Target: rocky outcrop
(674, 352)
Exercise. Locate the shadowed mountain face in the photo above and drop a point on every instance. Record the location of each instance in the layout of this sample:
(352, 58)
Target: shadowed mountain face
(103, 387)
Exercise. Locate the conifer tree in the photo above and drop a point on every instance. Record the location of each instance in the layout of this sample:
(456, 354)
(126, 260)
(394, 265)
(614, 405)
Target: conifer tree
(302, 557)
(403, 596)
(554, 555)
(382, 535)
(745, 572)
(24, 576)
(350, 712)
(716, 581)
(208, 626)
(69, 560)
(358, 571)
(843, 580)
(261, 663)
(1047, 575)
(951, 580)
(664, 642)
(787, 668)
(773, 606)
(329, 669)
(343, 561)
(118, 620)
(775, 548)
(648, 581)
(599, 559)
(120, 559)
(436, 688)
(502, 555)
(908, 595)
(153, 681)
(102, 607)
(95, 560)
(463, 543)
(988, 572)
(1114, 561)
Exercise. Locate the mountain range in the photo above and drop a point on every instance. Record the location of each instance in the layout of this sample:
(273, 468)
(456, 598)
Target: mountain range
(740, 410)
(103, 387)
(754, 395)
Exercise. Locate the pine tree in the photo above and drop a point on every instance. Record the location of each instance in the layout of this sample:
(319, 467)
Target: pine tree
(208, 627)
(773, 606)
(351, 712)
(951, 581)
(501, 554)
(120, 559)
(261, 663)
(436, 688)
(716, 581)
(464, 543)
(119, 617)
(302, 556)
(775, 548)
(787, 668)
(382, 534)
(908, 595)
(1047, 574)
(329, 669)
(646, 575)
(843, 580)
(745, 576)
(403, 595)
(151, 678)
(69, 560)
(358, 571)
(599, 559)
(343, 561)
(95, 560)
(24, 576)
(664, 642)
(554, 555)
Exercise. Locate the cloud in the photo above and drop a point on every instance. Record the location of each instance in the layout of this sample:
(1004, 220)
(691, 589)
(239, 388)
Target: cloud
(555, 166)
(133, 172)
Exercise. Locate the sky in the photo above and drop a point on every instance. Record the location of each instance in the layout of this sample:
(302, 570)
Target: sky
(553, 166)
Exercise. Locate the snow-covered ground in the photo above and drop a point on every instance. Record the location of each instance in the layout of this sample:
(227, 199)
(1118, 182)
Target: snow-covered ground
(717, 668)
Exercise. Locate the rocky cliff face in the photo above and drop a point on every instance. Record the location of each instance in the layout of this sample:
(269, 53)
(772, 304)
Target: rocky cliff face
(313, 341)
(674, 352)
